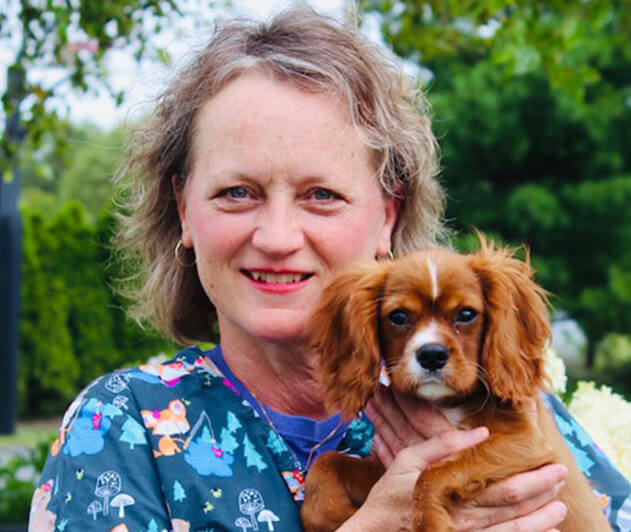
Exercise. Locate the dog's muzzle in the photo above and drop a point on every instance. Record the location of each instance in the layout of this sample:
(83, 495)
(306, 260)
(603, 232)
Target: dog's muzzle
(432, 357)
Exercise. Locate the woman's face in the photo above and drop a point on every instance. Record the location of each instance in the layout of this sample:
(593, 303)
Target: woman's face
(281, 197)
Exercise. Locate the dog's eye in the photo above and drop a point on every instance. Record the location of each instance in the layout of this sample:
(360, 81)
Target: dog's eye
(466, 315)
(398, 317)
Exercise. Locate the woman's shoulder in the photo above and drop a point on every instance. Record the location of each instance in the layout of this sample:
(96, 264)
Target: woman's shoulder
(188, 368)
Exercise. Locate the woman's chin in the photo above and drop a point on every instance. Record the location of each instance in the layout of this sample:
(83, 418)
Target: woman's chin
(283, 335)
(281, 328)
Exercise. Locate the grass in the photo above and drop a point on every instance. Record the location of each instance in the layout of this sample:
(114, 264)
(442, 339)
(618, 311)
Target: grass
(30, 433)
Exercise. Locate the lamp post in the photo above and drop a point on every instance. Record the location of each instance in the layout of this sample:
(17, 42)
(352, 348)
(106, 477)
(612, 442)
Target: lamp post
(10, 261)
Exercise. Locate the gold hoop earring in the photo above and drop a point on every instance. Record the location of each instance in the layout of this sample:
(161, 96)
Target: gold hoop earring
(178, 251)
(387, 256)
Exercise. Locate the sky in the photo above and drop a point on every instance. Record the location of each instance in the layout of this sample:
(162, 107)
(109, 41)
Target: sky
(140, 82)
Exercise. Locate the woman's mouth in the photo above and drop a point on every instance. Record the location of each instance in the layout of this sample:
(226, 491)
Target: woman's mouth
(276, 277)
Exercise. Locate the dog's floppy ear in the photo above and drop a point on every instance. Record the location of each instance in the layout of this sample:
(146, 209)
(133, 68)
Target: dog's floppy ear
(517, 327)
(344, 331)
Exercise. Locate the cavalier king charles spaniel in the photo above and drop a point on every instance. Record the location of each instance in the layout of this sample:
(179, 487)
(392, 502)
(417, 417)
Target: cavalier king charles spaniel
(466, 333)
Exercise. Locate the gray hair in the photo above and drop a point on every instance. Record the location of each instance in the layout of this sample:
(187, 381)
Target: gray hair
(312, 52)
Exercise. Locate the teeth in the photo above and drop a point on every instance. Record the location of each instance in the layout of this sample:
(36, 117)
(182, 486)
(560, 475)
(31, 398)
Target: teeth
(277, 277)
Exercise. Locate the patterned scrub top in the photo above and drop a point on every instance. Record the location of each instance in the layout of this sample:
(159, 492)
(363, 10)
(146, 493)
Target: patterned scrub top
(172, 447)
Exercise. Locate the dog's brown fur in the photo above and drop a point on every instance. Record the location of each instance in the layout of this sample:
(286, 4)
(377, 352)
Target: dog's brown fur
(494, 368)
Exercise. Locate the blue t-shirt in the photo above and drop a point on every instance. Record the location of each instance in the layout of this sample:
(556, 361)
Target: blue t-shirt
(306, 437)
(178, 446)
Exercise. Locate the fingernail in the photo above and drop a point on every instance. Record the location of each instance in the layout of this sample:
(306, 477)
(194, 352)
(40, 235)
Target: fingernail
(478, 434)
(561, 472)
(562, 509)
(369, 409)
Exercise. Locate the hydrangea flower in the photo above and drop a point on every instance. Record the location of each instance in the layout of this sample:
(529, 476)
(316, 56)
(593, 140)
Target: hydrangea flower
(606, 416)
(555, 368)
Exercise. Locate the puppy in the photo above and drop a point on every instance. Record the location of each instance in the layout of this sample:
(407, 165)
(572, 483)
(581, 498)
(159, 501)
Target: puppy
(466, 333)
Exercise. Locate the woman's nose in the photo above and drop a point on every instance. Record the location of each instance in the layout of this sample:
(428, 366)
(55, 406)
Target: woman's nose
(278, 231)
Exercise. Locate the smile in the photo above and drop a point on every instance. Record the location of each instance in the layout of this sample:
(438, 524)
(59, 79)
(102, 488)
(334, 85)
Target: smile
(276, 278)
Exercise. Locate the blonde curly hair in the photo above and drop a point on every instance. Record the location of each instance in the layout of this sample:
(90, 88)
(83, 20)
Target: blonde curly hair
(315, 53)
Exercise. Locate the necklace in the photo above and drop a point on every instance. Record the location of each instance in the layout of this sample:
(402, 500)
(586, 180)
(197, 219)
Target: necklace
(319, 444)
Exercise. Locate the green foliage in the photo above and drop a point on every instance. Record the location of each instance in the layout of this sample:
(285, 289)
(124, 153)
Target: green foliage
(531, 106)
(47, 368)
(570, 42)
(83, 172)
(18, 480)
(613, 362)
(69, 40)
(614, 353)
(72, 326)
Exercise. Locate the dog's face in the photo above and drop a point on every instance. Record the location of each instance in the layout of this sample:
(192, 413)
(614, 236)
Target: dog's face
(444, 324)
(431, 325)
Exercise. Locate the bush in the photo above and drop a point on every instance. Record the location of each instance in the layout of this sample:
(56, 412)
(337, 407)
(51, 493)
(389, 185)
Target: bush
(18, 480)
(72, 326)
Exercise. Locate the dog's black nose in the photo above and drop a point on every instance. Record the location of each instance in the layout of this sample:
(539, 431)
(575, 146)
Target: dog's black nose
(432, 356)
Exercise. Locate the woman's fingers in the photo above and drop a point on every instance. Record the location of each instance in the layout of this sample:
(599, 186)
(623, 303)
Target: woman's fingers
(542, 520)
(390, 421)
(382, 450)
(417, 457)
(403, 422)
(524, 500)
(523, 486)
(427, 421)
(473, 517)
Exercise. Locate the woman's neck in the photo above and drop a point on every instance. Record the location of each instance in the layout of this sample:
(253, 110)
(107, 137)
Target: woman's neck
(280, 376)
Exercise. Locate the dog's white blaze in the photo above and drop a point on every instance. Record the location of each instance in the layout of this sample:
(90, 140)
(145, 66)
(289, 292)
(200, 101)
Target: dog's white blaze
(426, 335)
(434, 277)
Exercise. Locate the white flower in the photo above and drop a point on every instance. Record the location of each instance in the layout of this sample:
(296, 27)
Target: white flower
(555, 369)
(606, 416)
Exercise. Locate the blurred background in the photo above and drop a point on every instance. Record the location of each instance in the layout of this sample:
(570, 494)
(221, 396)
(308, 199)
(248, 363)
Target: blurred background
(531, 103)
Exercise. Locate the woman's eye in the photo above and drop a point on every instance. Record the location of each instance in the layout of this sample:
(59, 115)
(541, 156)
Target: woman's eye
(322, 194)
(398, 317)
(466, 315)
(237, 192)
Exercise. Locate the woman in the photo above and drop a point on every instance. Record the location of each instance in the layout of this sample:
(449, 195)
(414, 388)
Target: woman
(282, 154)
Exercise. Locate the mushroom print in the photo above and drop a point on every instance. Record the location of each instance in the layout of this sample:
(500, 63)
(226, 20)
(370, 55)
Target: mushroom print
(121, 501)
(94, 508)
(108, 484)
(269, 517)
(243, 523)
(251, 502)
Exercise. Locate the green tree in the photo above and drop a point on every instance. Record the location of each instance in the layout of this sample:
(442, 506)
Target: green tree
(48, 371)
(233, 422)
(133, 433)
(531, 108)
(179, 494)
(275, 443)
(95, 157)
(572, 43)
(70, 40)
(228, 442)
(84, 172)
(89, 320)
(252, 457)
(133, 343)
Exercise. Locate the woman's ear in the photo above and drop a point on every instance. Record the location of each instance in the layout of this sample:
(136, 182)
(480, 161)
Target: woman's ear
(391, 207)
(517, 328)
(177, 184)
(344, 331)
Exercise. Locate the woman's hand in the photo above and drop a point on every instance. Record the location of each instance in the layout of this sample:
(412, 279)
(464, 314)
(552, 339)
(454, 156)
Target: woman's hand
(410, 435)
